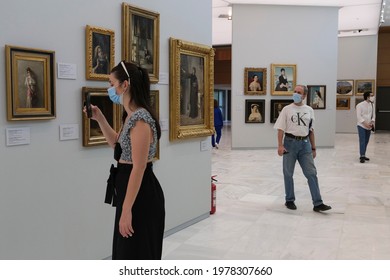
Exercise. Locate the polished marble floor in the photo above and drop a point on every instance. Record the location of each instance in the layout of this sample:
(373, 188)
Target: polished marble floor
(252, 222)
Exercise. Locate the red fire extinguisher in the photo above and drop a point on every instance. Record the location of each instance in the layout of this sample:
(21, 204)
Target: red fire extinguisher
(213, 195)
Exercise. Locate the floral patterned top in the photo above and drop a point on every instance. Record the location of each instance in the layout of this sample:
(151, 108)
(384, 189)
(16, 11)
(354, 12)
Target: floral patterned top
(124, 138)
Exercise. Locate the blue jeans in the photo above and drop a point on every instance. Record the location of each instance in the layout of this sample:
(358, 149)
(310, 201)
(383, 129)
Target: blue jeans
(218, 131)
(300, 150)
(364, 137)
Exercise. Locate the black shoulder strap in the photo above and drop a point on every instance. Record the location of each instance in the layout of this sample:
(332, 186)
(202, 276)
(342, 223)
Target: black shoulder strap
(372, 110)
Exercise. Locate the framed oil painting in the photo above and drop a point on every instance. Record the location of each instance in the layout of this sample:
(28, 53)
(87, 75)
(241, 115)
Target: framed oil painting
(276, 107)
(358, 100)
(155, 102)
(92, 134)
(30, 76)
(283, 79)
(254, 111)
(141, 38)
(362, 86)
(316, 97)
(344, 87)
(343, 103)
(100, 52)
(255, 80)
(191, 101)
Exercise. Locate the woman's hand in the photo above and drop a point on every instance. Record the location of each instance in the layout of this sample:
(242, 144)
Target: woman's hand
(125, 223)
(96, 113)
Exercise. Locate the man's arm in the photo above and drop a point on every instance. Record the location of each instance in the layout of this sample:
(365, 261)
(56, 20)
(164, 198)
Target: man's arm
(281, 148)
(313, 142)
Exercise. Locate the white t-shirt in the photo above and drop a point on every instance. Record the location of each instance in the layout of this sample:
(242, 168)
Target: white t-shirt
(296, 120)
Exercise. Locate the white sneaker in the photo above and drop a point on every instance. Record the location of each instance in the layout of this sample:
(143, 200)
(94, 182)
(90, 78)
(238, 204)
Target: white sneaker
(216, 146)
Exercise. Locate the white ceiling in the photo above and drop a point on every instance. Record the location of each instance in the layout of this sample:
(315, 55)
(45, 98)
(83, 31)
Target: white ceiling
(354, 15)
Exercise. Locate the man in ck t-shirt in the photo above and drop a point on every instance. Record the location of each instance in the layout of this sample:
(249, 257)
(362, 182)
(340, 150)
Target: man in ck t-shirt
(296, 142)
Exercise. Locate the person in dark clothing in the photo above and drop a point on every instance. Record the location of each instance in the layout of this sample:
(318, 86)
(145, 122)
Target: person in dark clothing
(133, 187)
(283, 82)
(193, 94)
(218, 125)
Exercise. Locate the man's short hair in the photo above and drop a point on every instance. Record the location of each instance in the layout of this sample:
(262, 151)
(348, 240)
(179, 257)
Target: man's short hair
(305, 89)
(366, 95)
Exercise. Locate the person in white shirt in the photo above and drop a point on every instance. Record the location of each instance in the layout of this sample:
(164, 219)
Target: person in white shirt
(365, 114)
(296, 142)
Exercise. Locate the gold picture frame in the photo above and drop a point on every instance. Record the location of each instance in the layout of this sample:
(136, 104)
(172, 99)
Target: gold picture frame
(345, 87)
(141, 38)
(255, 80)
(191, 79)
(362, 86)
(30, 84)
(155, 102)
(100, 52)
(343, 103)
(92, 135)
(283, 79)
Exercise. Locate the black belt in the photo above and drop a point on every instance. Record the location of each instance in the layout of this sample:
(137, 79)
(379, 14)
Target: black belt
(296, 137)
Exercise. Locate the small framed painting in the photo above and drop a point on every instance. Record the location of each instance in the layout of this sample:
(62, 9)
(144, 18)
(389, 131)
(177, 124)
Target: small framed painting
(283, 79)
(343, 103)
(100, 53)
(344, 87)
(363, 86)
(92, 134)
(276, 107)
(254, 110)
(141, 38)
(30, 84)
(255, 81)
(316, 97)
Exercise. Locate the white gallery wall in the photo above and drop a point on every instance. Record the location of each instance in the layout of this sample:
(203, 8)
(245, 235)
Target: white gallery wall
(52, 191)
(357, 60)
(301, 35)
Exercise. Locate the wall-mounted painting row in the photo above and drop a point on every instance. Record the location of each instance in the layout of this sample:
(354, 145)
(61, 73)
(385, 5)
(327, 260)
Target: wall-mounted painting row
(350, 87)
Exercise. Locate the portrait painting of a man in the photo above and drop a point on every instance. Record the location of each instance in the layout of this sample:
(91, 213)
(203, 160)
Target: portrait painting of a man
(191, 89)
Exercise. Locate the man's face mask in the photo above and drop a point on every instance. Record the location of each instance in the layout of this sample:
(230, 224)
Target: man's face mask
(297, 97)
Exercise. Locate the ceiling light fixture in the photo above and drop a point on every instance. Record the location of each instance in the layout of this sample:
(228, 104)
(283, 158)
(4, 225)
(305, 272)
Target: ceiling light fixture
(228, 15)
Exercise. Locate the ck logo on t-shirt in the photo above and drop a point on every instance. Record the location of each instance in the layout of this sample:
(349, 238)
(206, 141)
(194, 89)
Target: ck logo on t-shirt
(298, 119)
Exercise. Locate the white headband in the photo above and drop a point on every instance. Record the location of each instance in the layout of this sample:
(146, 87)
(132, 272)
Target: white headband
(124, 68)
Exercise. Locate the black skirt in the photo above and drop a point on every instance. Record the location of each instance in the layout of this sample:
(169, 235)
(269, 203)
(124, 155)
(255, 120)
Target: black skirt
(148, 217)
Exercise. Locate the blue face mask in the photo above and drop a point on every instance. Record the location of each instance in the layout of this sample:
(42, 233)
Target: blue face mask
(117, 99)
(297, 97)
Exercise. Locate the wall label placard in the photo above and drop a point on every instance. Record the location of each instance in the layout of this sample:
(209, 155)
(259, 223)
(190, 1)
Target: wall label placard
(17, 136)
